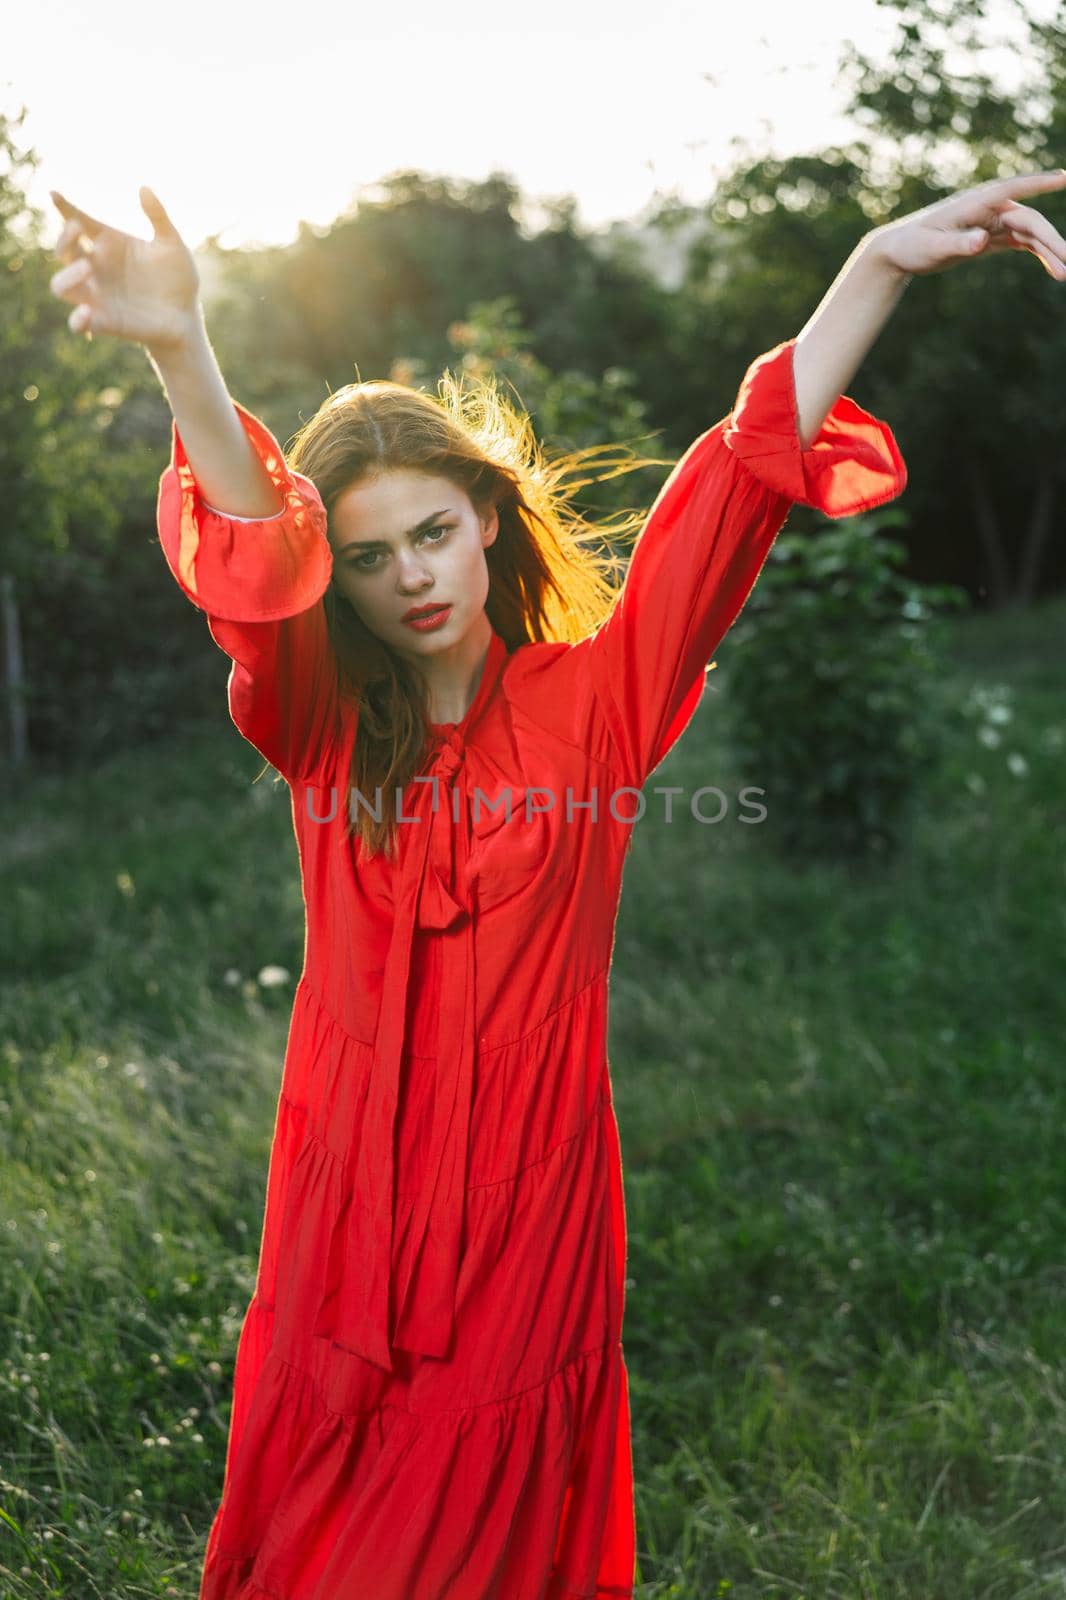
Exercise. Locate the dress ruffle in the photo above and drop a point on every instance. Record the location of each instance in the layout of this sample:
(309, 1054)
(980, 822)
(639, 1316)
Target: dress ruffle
(488, 1478)
(852, 464)
(261, 583)
(228, 572)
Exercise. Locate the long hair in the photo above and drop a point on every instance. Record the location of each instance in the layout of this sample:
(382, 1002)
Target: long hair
(547, 579)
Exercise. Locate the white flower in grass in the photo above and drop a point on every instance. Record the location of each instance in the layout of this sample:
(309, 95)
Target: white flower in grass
(1017, 764)
(999, 713)
(983, 697)
(271, 977)
(231, 977)
(988, 736)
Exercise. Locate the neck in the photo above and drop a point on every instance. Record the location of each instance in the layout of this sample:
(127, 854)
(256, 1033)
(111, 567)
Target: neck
(452, 676)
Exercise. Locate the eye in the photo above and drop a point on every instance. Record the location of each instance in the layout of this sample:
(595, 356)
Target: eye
(368, 560)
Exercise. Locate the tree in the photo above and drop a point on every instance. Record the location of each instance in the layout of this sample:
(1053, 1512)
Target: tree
(969, 369)
(984, 353)
(81, 426)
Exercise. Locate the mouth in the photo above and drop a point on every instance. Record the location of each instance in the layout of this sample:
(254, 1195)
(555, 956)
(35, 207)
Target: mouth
(423, 611)
(426, 616)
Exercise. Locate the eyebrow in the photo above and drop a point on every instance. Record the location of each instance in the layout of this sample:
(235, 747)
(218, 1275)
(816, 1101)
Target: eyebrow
(382, 544)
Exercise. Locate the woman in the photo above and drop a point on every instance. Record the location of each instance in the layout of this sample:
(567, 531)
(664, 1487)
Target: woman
(430, 1396)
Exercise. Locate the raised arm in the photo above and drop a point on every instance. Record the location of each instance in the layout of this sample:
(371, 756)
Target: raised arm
(148, 291)
(640, 676)
(976, 222)
(793, 435)
(258, 568)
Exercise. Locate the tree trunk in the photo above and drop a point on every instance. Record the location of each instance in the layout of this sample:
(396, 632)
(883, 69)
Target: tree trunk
(14, 686)
(1036, 538)
(999, 586)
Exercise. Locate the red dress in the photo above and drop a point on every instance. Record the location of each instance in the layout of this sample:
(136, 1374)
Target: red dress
(430, 1398)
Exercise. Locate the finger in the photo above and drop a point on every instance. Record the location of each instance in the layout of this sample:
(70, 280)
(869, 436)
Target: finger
(68, 246)
(153, 208)
(1016, 238)
(89, 225)
(956, 242)
(1030, 182)
(80, 319)
(1049, 261)
(1025, 220)
(72, 242)
(71, 280)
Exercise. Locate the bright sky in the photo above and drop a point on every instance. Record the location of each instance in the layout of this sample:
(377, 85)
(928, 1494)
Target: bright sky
(246, 119)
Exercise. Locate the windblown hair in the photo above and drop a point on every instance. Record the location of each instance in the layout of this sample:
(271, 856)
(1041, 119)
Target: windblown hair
(547, 579)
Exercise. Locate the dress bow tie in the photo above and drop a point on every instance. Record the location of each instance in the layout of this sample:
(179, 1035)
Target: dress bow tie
(380, 1309)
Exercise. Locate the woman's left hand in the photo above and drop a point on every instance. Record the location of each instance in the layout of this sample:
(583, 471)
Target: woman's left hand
(976, 222)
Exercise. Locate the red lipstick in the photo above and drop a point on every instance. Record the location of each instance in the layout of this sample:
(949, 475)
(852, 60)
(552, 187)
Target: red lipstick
(426, 618)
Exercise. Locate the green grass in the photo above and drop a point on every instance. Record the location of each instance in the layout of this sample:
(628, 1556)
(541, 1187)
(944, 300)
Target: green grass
(841, 1105)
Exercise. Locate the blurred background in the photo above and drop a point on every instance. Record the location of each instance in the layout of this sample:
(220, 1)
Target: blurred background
(837, 1037)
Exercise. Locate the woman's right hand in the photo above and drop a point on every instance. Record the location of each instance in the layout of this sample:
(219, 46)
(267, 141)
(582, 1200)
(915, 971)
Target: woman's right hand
(146, 290)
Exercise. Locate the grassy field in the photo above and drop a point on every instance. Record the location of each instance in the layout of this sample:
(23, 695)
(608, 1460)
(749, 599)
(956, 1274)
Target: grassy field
(841, 1100)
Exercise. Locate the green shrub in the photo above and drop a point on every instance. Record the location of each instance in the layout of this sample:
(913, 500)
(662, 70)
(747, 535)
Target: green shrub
(834, 673)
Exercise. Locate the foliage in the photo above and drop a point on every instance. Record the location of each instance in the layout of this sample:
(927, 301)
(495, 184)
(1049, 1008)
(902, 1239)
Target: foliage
(833, 688)
(969, 371)
(570, 410)
(80, 425)
(390, 277)
(975, 365)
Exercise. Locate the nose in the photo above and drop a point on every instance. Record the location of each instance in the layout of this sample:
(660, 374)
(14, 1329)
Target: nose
(413, 574)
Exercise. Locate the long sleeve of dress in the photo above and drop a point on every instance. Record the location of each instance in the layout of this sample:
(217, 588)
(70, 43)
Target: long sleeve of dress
(704, 544)
(260, 583)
